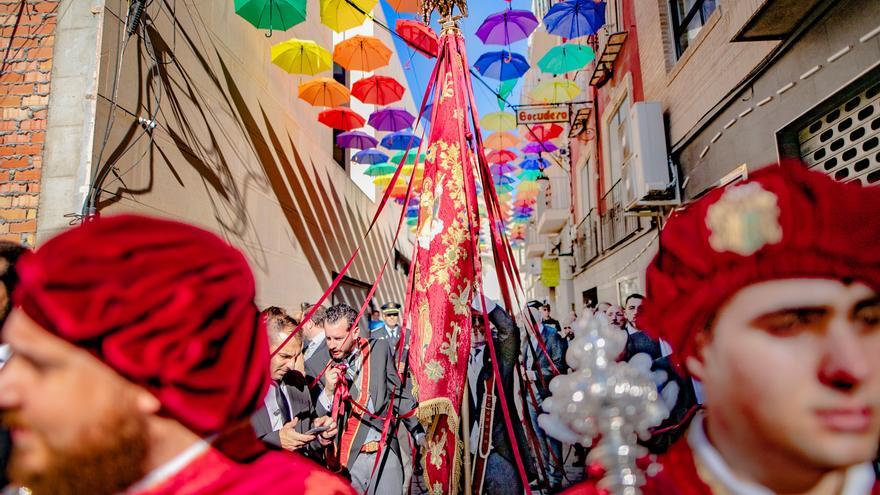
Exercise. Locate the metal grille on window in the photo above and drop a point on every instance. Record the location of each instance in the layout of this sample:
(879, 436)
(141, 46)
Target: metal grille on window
(845, 142)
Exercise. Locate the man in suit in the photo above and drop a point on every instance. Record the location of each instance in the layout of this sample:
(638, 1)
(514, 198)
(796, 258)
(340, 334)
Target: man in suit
(287, 413)
(357, 391)
(314, 346)
(390, 330)
(492, 453)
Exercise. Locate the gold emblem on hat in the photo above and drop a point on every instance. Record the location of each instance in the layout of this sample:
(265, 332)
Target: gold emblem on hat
(744, 220)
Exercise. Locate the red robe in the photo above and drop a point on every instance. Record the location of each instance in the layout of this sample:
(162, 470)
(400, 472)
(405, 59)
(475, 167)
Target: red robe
(273, 472)
(678, 477)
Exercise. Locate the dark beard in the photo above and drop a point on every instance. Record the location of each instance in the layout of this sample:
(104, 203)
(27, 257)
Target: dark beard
(107, 460)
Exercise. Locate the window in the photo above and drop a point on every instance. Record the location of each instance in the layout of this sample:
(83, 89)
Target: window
(340, 154)
(619, 137)
(688, 18)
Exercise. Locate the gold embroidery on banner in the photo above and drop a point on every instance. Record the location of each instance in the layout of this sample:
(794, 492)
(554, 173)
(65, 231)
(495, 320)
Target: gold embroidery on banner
(461, 304)
(436, 451)
(448, 91)
(425, 328)
(744, 219)
(450, 349)
(434, 370)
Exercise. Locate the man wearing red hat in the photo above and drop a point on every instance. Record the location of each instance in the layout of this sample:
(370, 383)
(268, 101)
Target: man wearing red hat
(768, 292)
(138, 358)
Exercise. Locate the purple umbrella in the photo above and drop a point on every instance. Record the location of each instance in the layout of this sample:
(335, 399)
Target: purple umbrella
(370, 157)
(533, 148)
(502, 65)
(502, 168)
(522, 210)
(506, 27)
(356, 139)
(391, 119)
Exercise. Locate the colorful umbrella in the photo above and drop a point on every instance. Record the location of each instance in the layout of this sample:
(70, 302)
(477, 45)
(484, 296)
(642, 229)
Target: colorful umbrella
(502, 168)
(419, 36)
(501, 140)
(341, 15)
(498, 121)
(504, 188)
(380, 169)
(323, 92)
(504, 90)
(370, 157)
(524, 202)
(342, 118)
(410, 158)
(566, 58)
(391, 119)
(542, 132)
(382, 180)
(555, 91)
(507, 26)
(504, 179)
(530, 174)
(502, 65)
(356, 139)
(401, 140)
(405, 5)
(534, 163)
(278, 15)
(301, 57)
(501, 156)
(575, 18)
(378, 90)
(529, 187)
(535, 147)
(361, 52)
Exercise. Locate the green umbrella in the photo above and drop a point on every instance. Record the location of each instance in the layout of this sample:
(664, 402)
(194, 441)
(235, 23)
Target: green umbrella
(504, 91)
(529, 174)
(410, 159)
(272, 14)
(566, 58)
(380, 169)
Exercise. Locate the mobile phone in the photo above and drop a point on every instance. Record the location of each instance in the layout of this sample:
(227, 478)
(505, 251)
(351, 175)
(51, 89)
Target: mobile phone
(318, 429)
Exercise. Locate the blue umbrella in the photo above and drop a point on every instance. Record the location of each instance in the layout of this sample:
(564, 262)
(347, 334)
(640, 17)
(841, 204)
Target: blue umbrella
(503, 179)
(502, 65)
(401, 140)
(534, 163)
(370, 157)
(575, 18)
(356, 139)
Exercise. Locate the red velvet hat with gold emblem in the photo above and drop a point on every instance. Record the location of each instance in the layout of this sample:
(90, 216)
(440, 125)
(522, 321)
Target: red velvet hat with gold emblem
(784, 222)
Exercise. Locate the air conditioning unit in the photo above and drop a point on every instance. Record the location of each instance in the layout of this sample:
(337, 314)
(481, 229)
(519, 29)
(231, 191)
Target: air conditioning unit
(648, 181)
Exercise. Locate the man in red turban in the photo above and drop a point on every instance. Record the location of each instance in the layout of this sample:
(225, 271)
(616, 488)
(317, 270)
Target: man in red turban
(137, 360)
(767, 291)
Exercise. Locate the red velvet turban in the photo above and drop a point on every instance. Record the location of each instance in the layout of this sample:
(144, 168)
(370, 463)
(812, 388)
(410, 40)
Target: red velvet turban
(168, 306)
(784, 222)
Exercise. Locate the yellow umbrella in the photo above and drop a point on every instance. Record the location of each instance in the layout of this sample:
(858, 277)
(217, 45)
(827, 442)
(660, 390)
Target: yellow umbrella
(301, 57)
(360, 52)
(498, 121)
(340, 15)
(324, 92)
(501, 140)
(382, 180)
(555, 91)
(527, 187)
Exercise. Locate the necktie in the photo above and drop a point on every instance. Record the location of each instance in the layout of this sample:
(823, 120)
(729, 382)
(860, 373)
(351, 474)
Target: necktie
(282, 404)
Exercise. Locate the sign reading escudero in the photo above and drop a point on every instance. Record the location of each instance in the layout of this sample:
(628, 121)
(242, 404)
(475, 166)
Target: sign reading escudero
(542, 114)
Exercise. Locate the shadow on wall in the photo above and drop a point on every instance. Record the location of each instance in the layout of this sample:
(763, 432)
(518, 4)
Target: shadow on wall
(210, 139)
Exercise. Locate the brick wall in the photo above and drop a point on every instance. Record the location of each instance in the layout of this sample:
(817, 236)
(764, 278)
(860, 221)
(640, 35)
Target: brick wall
(27, 38)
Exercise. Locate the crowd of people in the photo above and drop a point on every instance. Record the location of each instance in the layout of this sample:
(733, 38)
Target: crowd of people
(134, 360)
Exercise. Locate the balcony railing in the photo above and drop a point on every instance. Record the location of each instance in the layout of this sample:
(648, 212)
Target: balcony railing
(586, 246)
(616, 225)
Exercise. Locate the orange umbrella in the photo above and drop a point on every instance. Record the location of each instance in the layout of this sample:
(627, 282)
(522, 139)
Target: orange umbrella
(323, 92)
(405, 5)
(342, 118)
(360, 52)
(501, 140)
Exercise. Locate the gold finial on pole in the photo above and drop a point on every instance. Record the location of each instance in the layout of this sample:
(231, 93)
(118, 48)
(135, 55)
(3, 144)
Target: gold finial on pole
(444, 8)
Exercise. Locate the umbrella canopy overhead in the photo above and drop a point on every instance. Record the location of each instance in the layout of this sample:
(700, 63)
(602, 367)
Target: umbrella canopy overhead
(535, 147)
(411, 6)
(356, 139)
(498, 121)
(501, 140)
(575, 18)
(341, 15)
(365, 53)
(542, 132)
(507, 26)
(501, 156)
(555, 91)
(323, 92)
(502, 65)
(401, 140)
(419, 36)
(534, 163)
(391, 119)
(301, 57)
(530, 174)
(410, 158)
(504, 179)
(566, 58)
(378, 90)
(279, 15)
(502, 168)
(380, 169)
(342, 118)
(370, 157)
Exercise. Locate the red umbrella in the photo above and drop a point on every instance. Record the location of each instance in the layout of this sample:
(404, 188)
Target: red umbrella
(378, 90)
(418, 36)
(542, 132)
(501, 156)
(342, 118)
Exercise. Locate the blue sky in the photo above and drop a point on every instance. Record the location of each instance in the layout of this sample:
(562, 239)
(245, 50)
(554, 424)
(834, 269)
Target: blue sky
(418, 68)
